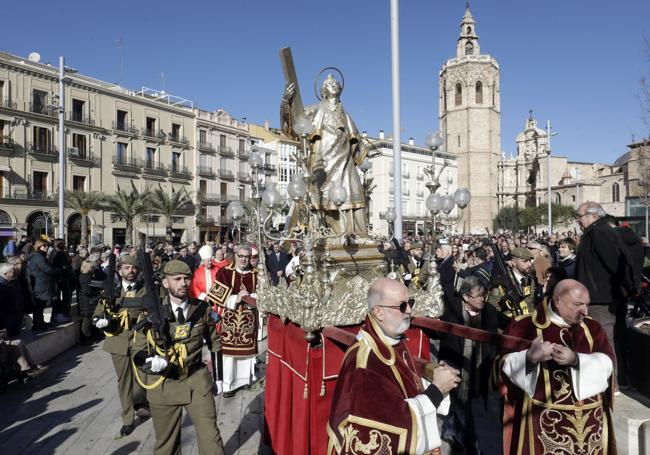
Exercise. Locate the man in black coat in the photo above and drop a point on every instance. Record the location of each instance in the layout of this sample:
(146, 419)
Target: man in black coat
(601, 265)
(473, 425)
(446, 271)
(276, 262)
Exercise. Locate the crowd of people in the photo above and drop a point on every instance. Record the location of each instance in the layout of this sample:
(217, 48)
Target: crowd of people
(533, 286)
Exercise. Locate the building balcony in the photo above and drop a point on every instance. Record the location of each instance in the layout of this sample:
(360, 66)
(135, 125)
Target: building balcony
(43, 151)
(30, 195)
(8, 104)
(180, 172)
(244, 177)
(7, 146)
(206, 171)
(80, 118)
(243, 154)
(419, 193)
(153, 168)
(178, 139)
(419, 176)
(206, 147)
(406, 191)
(127, 164)
(152, 133)
(82, 157)
(226, 174)
(212, 198)
(123, 127)
(38, 108)
(224, 150)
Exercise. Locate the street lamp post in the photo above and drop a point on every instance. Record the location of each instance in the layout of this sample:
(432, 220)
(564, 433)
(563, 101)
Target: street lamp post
(61, 147)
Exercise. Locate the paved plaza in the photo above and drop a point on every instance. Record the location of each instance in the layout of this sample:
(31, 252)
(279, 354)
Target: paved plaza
(72, 408)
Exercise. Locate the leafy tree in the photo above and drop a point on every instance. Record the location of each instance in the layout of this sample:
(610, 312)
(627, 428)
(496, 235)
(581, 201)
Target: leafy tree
(168, 204)
(507, 218)
(83, 203)
(127, 205)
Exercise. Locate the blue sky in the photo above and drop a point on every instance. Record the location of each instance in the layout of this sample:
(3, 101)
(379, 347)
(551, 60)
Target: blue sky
(577, 63)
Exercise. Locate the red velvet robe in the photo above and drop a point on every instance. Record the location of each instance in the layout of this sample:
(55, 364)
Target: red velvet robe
(554, 421)
(238, 327)
(198, 286)
(369, 413)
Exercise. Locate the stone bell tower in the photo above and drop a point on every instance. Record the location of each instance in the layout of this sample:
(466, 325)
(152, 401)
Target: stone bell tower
(470, 121)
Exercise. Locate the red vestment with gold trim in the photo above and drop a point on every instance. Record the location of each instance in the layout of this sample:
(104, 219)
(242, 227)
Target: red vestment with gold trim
(553, 420)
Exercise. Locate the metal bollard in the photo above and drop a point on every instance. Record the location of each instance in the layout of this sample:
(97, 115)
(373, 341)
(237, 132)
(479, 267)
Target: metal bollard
(644, 438)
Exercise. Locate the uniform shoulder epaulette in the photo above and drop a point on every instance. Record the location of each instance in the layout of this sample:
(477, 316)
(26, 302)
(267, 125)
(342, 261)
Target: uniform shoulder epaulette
(521, 317)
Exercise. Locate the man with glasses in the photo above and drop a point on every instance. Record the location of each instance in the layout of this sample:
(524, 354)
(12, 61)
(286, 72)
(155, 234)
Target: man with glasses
(382, 402)
(239, 322)
(600, 266)
(540, 263)
(473, 425)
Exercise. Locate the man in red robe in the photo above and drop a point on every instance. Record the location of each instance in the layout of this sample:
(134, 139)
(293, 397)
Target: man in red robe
(204, 275)
(559, 390)
(239, 321)
(382, 404)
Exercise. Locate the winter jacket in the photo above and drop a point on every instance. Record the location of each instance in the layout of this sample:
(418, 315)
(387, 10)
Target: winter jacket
(601, 264)
(41, 276)
(568, 264)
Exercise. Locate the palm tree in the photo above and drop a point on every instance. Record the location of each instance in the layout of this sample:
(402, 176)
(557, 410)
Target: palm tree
(127, 205)
(167, 204)
(83, 203)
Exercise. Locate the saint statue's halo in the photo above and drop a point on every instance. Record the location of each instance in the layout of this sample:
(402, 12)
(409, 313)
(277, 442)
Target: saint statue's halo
(318, 83)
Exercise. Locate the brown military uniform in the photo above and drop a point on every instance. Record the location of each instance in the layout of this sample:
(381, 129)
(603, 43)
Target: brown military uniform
(185, 383)
(118, 344)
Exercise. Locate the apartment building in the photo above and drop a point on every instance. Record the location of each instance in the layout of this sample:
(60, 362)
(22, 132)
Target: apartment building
(414, 159)
(222, 172)
(115, 138)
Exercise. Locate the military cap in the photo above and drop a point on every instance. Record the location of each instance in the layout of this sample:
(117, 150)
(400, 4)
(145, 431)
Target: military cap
(416, 244)
(177, 267)
(521, 253)
(128, 259)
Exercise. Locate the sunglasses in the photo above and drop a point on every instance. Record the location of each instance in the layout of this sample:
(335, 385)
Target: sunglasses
(402, 305)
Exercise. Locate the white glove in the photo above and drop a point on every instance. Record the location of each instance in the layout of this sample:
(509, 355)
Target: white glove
(157, 363)
(101, 323)
(407, 276)
(219, 385)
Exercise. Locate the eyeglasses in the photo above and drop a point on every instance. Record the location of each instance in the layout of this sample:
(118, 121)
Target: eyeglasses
(475, 296)
(402, 305)
(244, 256)
(580, 215)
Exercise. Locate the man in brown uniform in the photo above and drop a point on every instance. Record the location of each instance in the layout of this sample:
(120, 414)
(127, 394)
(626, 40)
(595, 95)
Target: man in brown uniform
(117, 323)
(176, 376)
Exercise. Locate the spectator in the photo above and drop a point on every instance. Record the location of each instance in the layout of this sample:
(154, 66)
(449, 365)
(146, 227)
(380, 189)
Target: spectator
(87, 298)
(446, 271)
(12, 309)
(540, 262)
(601, 267)
(474, 422)
(41, 277)
(63, 290)
(10, 249)
(566, 256)
(277, 262)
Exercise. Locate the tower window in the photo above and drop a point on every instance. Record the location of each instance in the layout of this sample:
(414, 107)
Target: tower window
(479, 92)
(558, 199)
(616, 193)
(469, 48)
(458, 99)
(469, 29)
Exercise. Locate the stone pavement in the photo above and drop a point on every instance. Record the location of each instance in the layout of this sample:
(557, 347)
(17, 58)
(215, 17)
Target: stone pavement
(72, 408)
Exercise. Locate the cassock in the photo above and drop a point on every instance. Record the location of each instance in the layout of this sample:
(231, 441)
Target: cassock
(238, 325)
(379, 405)
(202, 280)
(555, 409)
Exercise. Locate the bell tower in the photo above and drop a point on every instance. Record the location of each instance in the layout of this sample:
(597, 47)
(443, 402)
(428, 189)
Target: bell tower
(470, 120)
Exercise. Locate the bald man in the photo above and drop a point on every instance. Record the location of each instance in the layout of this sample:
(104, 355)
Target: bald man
(559, 390)
(381, 394)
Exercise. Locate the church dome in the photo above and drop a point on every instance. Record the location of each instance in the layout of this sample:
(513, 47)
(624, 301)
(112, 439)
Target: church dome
(624, 158)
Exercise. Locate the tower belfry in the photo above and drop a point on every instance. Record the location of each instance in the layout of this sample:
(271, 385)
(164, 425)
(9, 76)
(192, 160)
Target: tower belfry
(470, 119)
